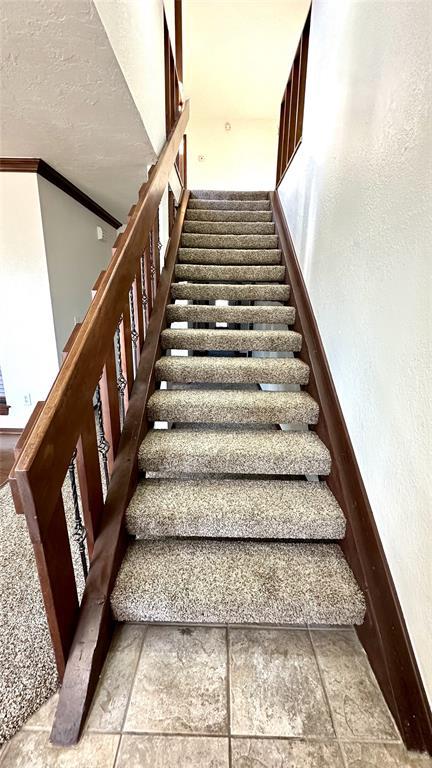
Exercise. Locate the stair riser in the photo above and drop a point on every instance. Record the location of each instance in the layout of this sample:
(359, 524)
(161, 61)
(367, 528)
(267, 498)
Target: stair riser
(210, 273)
(236, 583)
(229, 256)
(200, 528)
(213, 314)
(234, 415)
(229, 241)
(231, 292)
(229, 205)
(200, 214)
(228, 228)
(204, 371)
(234, 452)
(247, 341)
(221, 194)
(234, 509)
(247, 464)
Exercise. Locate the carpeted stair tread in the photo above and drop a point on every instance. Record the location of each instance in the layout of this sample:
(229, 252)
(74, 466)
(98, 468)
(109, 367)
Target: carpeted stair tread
(233, 340)
(210, 313)
(229, 241)
(229, 256)
(251, 452)
(280, 509)
(208, 204)
(229, 227)
(232, 370)
(246, 292)
(207, 214)
(213, 273)
(228, 406)
(236, 582)
(222, 194)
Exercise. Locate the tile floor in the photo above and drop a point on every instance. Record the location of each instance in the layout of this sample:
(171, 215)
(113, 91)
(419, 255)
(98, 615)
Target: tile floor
(212, 697)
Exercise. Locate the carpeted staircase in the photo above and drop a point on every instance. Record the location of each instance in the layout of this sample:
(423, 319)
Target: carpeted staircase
(232, 521)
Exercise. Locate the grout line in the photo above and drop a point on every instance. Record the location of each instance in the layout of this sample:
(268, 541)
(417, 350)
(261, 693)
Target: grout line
(5, 749)
(327, 697)
(126, 710)
(228, 688)
(262, 736)
(115, 763)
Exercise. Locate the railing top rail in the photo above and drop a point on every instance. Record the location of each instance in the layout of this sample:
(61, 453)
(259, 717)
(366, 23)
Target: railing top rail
(53, 439)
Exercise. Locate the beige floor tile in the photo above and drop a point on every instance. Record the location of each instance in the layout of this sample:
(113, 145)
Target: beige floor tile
(109, 706)
(42, 719)
(275, 685)
(278, 753)
(173, 752)
(180, 685)
(358, 707)
(383, 756)
(31, 749)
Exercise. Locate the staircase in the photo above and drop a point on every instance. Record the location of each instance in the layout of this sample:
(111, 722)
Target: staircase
(232, 521)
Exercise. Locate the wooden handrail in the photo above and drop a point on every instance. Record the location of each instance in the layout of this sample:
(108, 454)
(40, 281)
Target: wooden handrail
(292, 106)
(79, 376)
(102, 354)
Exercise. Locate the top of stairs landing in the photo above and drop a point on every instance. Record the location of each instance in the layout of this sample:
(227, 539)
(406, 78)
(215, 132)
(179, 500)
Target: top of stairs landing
(212, 194)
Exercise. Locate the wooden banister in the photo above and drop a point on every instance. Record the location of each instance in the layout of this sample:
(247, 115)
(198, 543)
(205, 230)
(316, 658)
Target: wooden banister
(63, 437)
(79, 375)
(292, 106)
(93, 632)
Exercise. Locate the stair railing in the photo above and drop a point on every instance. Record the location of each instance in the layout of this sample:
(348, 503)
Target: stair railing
(173, 101)
(79, 431)
(292, 106)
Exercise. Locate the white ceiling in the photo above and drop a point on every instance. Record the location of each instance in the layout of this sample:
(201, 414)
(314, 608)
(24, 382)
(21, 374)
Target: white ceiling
(64, 99)
(238, 54)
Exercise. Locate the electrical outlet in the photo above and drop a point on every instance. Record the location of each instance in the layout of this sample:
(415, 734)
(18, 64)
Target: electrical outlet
(100, 233)
(27, 399)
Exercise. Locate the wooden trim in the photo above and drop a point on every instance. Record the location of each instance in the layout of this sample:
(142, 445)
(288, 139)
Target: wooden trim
(36, 165)
(19, 445)
(10, 430)
(383, 635)
(93, 633)
(178, 15)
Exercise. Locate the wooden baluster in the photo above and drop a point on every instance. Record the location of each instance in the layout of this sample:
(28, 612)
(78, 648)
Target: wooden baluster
(88, 467)
(109, 396)
(139, 315)
(156, 253)
(50, 539)
(148, 280)
(110, 406)
(171, 210)
(184, 161)
(293, 106)
(126, 351)
(89, 478)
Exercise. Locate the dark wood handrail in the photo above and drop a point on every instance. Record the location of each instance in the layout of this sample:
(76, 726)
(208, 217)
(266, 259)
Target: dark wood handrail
(78, 377)
(102, 359)
(292, 106)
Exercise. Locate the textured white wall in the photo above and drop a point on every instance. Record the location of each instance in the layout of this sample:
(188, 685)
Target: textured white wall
(28, 355)
(74, 256)
(356, 201)
(242, 158)
(135, 31)
(64, 98)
